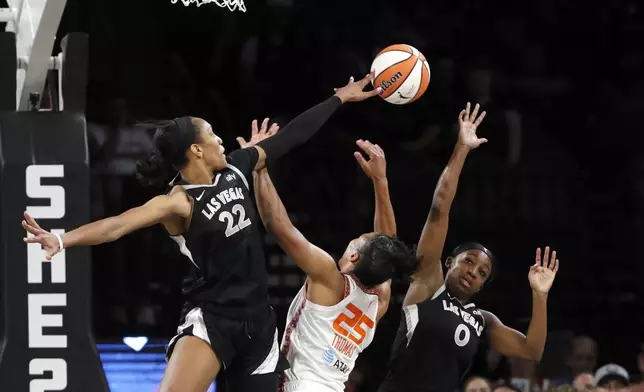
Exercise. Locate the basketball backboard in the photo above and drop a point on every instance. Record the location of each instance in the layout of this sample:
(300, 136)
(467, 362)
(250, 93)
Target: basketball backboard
(34, 23)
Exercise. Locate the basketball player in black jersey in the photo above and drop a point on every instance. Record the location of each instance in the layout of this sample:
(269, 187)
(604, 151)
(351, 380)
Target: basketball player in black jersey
(227, 322)
(441, 329)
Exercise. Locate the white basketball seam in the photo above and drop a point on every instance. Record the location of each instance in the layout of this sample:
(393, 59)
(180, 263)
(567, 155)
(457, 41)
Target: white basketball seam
(396, 63)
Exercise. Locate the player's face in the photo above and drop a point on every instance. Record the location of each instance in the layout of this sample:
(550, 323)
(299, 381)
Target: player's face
(468, 272)
(351, 256)
(211, 145)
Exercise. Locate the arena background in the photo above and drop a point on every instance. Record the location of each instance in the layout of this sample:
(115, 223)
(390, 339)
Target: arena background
(563, 166)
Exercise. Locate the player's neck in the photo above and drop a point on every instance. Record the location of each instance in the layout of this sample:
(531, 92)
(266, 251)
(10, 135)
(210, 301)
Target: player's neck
(462, 299)
(197, 175)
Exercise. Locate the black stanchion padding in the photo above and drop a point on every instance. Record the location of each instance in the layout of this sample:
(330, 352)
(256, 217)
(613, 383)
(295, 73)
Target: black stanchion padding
(47, 344)
(75, 48)
(8, 67)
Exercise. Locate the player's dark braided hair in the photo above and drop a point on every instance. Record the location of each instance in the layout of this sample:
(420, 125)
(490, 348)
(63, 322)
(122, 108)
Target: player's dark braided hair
(171, 141)
(382, 258)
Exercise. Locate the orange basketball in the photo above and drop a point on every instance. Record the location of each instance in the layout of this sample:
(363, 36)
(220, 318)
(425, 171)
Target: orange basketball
(402, 72)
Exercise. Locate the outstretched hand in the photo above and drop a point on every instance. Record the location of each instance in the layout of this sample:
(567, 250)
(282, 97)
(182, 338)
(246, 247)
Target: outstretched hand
(376, 167)
(543, 272)
(48, 240)
(258, 134)
(353, 91)
(467, 124)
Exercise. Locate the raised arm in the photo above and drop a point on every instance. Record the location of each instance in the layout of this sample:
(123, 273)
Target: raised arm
(316, 263)
(304, 126)
(376, 169)
(430, 246)
(384, 219)
(510, 342)
(110, 229)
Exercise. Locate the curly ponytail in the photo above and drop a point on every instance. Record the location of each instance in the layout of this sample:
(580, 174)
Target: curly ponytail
(383, 258)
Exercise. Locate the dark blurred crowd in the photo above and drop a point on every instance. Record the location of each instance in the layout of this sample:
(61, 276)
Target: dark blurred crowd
(582, 374)
(562, 87)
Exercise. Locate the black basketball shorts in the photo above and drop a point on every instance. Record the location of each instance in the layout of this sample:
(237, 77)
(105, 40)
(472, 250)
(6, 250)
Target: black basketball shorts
(248, 348)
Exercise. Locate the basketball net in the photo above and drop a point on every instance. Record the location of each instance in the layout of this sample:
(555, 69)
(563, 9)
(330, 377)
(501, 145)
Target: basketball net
(232, 5)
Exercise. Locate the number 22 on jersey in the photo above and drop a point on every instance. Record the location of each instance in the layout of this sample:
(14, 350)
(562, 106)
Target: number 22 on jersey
(229, 219)
(356, 321)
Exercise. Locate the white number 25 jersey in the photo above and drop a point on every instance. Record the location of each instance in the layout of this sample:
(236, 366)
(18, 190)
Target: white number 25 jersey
(322, 343)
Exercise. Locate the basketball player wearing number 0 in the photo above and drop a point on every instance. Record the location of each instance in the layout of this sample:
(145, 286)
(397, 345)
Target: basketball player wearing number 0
(334, 316)
(441, 328)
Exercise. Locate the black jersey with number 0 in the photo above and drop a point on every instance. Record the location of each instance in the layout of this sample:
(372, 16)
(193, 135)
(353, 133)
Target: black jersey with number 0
(435, 345)
(223, 242)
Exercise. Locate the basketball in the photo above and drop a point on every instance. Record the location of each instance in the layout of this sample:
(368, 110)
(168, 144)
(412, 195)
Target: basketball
(402, 72)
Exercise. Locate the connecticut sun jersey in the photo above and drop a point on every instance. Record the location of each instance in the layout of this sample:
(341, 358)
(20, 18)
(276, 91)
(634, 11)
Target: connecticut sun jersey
(435, 345)
(223, 243)
(322, 343)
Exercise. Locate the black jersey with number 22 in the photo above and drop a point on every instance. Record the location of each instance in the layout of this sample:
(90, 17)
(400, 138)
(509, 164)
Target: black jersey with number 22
(435, 345)
(223, 243)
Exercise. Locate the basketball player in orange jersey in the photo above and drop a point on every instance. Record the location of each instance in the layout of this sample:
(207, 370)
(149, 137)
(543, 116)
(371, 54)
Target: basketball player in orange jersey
(334, 316)
(441, 327)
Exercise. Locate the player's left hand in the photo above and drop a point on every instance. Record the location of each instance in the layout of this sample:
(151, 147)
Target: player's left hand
(543, 272)
(376, 167)
(353, 91)
(258, 134)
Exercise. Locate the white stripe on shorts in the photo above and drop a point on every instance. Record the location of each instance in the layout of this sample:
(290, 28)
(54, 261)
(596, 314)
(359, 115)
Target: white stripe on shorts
(270, 362)
(195, 319)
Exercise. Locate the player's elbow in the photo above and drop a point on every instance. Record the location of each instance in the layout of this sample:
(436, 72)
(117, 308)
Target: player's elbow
(532, 353)
(441, 201)
(438, 210)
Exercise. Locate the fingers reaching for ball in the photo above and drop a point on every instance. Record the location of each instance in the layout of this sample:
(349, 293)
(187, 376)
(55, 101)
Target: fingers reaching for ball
(353, 91)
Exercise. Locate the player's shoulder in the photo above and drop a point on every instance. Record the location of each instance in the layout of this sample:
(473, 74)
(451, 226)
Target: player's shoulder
(489, 317)
(173, 203)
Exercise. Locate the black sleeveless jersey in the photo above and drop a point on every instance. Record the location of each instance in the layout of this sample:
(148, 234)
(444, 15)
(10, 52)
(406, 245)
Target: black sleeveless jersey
(223, 243)
(435, 345)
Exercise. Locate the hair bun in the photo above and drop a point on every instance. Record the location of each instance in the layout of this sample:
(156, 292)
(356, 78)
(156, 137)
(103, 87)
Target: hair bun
(153, 170)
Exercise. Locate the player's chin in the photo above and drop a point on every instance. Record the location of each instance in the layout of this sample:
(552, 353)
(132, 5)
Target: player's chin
(462, 288)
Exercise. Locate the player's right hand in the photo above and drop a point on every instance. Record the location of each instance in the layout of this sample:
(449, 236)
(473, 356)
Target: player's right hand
(467, 125)
(258, 134)
(353, 91)
(48, 240)
(376, 167)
